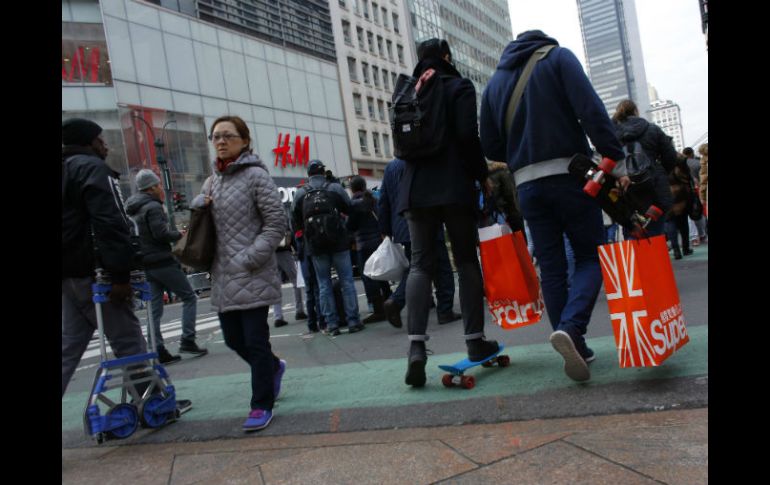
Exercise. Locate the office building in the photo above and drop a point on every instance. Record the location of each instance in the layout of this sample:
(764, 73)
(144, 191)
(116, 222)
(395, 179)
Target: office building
(613, 52)
(668, 116)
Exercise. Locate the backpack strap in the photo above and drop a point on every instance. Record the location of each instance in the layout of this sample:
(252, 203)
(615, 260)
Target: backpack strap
(521, 84)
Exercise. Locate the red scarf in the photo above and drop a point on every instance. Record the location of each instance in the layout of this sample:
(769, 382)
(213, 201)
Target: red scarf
(223, 164)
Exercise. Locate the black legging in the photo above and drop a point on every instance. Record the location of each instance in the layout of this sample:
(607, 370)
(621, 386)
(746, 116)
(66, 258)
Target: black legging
(678, 224)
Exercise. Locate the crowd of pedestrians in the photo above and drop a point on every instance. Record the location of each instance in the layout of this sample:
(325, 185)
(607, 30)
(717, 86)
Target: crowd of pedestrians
(511, 167)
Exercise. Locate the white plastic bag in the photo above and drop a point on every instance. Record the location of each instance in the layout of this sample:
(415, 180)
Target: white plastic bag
(387, 262)
(300, 277)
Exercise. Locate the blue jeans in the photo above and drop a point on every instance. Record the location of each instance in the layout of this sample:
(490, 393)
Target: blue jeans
(247, 333)
(443, 281)
(323, 268)
(173, 279)
(554, 206)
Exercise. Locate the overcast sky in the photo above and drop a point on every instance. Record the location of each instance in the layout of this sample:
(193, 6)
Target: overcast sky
(673, 47)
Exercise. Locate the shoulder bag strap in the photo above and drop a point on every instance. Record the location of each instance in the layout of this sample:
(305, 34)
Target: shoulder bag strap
(519, 89)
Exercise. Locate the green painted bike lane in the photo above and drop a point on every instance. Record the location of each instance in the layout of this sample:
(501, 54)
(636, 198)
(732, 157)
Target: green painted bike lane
(379, 383)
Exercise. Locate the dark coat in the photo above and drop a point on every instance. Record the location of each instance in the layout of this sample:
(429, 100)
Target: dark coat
(154, 230)
(363, 222)
(658, 147)
(91, 197)
(449, 177)
(392, 223)
(342, 201)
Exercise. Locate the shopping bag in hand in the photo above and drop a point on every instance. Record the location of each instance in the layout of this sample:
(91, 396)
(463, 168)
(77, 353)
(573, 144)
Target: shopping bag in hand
(510, 282)
(643, 301)
(387, 262)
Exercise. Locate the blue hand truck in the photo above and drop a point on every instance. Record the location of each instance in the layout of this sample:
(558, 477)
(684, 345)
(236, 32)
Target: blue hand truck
(155, 406)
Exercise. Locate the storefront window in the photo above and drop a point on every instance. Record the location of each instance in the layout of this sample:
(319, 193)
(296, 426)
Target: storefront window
(84, 58)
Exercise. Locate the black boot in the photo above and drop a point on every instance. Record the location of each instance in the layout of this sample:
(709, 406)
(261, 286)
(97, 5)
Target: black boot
(379, 311)
(415, 372)
(393, 313)
(480, 349)
(677, 253)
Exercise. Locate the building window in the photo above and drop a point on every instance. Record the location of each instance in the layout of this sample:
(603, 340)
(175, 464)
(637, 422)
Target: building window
(366, 8)
(375, 13)
(370, 37)
(357, 105)
(385, 18)
(360, 33)
(395, 22)
(389, 45)
(385, 79)
(365, 69)
(376, 76)
(376, 139)
(352, 69)
(400, 50)
(362, 141)
(393, 78)
(356, 7)
(381, 109)
(84, 58)
(342, 4)
(346, 32)
(386, 144)
(380, 47)
(370, 101)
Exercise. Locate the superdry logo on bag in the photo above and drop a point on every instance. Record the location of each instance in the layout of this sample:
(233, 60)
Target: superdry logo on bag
(643, 301)
(508, 313)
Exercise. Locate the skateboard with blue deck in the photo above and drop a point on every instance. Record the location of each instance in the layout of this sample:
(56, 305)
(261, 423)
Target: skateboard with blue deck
(456, 371)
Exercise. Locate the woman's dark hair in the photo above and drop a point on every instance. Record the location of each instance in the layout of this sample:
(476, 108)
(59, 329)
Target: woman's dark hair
(357, 184)
(625, 110)
(240, 127)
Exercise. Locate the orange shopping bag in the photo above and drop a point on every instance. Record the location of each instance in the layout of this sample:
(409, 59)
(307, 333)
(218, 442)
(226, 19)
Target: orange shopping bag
(643, 301)
(510, 282)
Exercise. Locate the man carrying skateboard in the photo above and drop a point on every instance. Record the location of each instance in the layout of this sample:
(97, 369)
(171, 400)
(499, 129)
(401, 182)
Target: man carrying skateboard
(556, 111)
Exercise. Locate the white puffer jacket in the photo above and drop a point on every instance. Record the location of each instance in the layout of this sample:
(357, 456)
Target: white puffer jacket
(250, 222)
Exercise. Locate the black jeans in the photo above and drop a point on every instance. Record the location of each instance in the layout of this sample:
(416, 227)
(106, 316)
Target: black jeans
(248, 334)
(678, 225)
(424, 224)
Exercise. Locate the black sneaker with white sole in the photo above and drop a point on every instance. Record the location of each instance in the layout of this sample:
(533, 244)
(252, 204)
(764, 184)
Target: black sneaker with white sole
(190, 347)
(575, 365)
(183, 405)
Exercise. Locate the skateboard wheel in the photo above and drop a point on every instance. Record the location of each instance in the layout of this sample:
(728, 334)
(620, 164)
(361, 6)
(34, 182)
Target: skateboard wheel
(606, 165)
(468, 382)
(654, 213)
(447, 380)
(592, 188)
(503, 361)
(487, 363)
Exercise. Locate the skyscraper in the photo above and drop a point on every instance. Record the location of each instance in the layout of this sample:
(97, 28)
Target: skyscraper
(477, 33)
(613, 52)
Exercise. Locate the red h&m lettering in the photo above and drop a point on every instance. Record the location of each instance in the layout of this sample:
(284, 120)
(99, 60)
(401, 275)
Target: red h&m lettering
(78, 62)
(283, 151)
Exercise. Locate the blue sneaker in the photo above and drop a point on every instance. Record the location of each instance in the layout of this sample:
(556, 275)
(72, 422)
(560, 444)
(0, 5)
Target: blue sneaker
(258, 419)
(277, 378)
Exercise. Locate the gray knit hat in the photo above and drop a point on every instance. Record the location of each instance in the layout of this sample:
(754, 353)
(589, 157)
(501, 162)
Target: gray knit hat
(146, 178)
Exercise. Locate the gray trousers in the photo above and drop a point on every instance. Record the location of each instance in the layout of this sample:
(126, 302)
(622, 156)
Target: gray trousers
(424, 224)
(172, 278)
(78, 323)
(287, 265)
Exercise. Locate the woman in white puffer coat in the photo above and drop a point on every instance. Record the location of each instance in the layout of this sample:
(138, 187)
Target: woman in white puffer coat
(250, 222)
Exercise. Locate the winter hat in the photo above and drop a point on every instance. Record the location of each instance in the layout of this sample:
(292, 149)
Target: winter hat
(433, 48)
(79, 131)
(357, 184)
(315, 167)
(146, 178)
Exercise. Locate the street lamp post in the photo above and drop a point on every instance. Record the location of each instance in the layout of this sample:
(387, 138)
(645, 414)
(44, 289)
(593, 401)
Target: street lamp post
(165, 173)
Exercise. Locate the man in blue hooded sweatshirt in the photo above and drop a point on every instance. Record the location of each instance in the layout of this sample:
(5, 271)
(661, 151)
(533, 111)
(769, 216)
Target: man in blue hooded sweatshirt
(558, 108)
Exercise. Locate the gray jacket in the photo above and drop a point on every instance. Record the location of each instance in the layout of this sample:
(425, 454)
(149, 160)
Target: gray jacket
(154, 231)
(250, 222)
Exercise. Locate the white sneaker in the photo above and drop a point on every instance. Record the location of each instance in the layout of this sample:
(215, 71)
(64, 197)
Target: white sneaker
(575, 366)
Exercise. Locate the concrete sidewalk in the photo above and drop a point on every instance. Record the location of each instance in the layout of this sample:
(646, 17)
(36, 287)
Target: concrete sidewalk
(659, 447)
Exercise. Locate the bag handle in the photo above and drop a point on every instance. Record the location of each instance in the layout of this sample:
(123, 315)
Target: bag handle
(521, 84)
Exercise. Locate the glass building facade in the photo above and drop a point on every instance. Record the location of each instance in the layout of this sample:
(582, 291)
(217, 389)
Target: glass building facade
(145, 72)
(613, 52)
(477, 32)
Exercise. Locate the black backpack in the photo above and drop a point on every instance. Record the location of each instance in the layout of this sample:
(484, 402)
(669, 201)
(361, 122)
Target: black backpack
(639, 166)
(418, 120)
(323, 223)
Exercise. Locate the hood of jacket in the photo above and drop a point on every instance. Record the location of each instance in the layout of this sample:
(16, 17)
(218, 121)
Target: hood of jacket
(246, 159)
(135, 203)
(631, 129)
(440, 65)
(518, 52)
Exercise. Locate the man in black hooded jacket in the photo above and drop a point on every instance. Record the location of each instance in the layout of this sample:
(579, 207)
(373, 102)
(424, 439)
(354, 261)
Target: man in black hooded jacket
(440, 190)
(92, 202)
